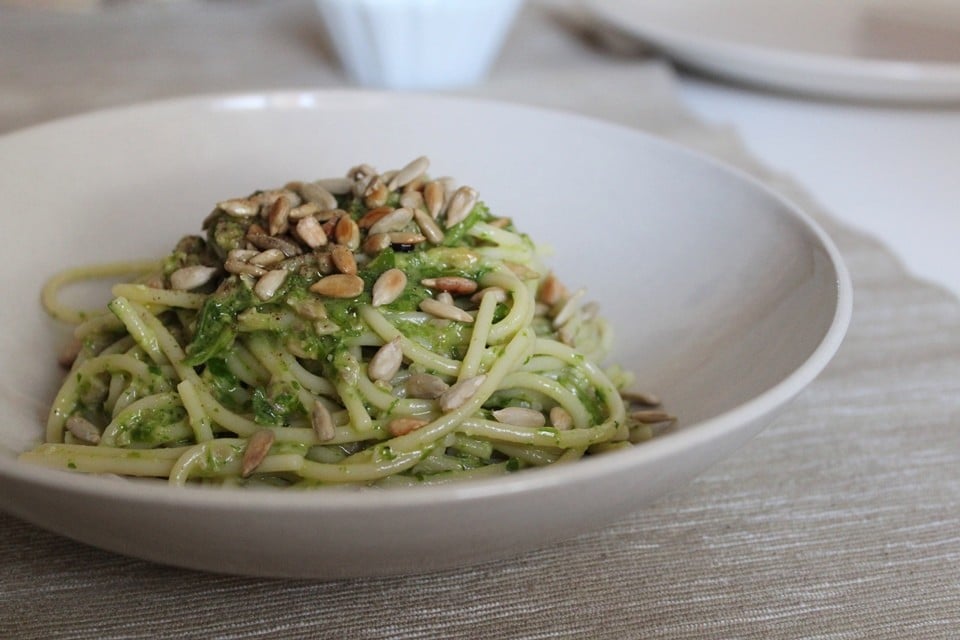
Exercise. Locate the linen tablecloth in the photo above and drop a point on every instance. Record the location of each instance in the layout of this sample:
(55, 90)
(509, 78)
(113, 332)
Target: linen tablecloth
(841, 520)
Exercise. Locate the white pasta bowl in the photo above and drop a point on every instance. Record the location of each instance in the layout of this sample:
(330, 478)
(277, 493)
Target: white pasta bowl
(725, 299)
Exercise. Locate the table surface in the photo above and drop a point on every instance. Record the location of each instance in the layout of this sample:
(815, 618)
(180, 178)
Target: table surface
(839, 521)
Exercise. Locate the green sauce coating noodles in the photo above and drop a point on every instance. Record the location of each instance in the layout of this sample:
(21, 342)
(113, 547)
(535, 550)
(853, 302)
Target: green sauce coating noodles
(376, 330)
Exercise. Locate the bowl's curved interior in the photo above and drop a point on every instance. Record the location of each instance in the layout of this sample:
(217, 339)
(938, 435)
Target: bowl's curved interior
(725, 300)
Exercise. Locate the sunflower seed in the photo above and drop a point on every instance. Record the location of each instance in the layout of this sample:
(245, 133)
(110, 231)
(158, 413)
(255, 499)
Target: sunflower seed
(336, 186)
(313, 192)
(268, 284)
(376, 243)
(443, 310)
(309, 308)
(375, 193)
(263, 242)
(551, 290)
(402, 426)
(372, 216)
(322, 422)
(191, 277)
(243, 255)
(461, 204)
(278, 216)
(243, 268)
(241, 207)
(257, 448)
(460, 393)
(426, 386)
(393, 221)
(311, 232)
(428, 226)
(361, 172)
(405, 238)
(304, 210)
(445, 297)
(651, 416)
(267, 258)
(567, 309)
(409, 173)
(340, 285)
(347, 233)
(451, 284)
(386, 362)
(561, 419)
(434, 197)
(411, 200)
(349, 370)
(83, 429)
(388, 287)
(343, 259)
(520, 417)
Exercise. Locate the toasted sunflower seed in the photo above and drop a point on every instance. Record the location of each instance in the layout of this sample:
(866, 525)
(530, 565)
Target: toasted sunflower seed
(83, 429)
(267, 258)
(393, 221)
(455, 397)
(376, 243)
(411, 200)
(268, 284)
(372, 216)
(428, 226)
(375, 193)
(313, 192)
(560, 418)
(304, 210)
(388, 287)
(263, 241)
(191, 277)
(322, 422)
(461, 204)
(444, 310)
(311, 232)
(278, 216)
(520, 417)
(551, 290)
(425, 385)
(651, 416)
(240, 207)
(343, 259)
(386, 362)
(409, 173)
(567, 309)
(405, 238)
(434, 197)
(243, 268)
(445, 297)
(336, 186)
(347, 233)
(257, 448)
(340, 285)
(402, 426)
(243, 255)
(456, 285)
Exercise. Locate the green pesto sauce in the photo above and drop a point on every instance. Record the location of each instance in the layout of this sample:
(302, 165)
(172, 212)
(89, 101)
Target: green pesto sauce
(149, 426)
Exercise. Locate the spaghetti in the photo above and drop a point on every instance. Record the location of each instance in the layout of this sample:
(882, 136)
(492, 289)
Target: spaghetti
(378, 329)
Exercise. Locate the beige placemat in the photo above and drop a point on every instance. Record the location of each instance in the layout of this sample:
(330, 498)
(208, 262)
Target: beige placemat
(839, 521)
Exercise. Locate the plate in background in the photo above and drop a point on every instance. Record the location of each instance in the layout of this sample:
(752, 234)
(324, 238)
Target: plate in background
(882, 50)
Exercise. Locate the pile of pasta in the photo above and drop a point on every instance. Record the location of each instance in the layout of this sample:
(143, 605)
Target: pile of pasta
(376, 329)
